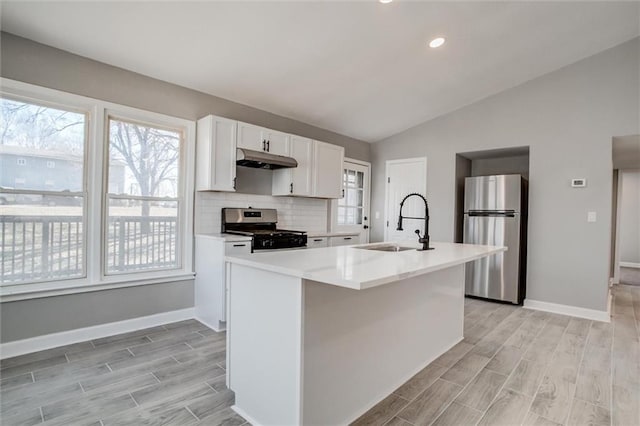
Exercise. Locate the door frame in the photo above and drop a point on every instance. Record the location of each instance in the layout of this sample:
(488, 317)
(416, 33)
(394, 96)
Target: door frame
(333, 225)
(386, 187)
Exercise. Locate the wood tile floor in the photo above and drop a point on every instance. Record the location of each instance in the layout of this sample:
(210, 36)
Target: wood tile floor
(514, 367)
(521, 367)
(167, 375)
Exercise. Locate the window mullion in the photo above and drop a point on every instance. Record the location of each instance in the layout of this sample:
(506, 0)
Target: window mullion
(95, 213)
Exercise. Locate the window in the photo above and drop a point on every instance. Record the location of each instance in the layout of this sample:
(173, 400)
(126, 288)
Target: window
(142, 226)
(42, 223)
(124, 220)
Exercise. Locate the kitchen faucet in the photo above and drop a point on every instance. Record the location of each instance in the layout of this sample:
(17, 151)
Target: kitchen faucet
(425, 239)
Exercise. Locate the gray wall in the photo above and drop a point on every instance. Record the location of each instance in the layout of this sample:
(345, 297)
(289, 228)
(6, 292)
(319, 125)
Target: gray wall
(568, 119)
(629, 204)
(35, 317)
(518, 164)
(34, 63)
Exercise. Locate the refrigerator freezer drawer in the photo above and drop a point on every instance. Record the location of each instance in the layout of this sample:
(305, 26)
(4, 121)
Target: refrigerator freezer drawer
(497, 276)
(486, 193)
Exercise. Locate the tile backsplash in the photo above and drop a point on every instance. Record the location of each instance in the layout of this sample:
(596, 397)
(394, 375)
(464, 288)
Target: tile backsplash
(300, 214)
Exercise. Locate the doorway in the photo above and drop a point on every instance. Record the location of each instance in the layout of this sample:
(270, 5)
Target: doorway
(625, 227)
(402, 178)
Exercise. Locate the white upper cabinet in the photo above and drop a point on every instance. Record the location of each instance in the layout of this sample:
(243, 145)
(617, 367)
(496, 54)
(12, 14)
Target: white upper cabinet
(216, 154)
(327, 170)
(277, 142)
(262, 139)
(296, 181)
(250, 137)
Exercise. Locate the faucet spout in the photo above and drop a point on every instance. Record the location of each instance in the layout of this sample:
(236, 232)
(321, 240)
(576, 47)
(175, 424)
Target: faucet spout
(424, 240)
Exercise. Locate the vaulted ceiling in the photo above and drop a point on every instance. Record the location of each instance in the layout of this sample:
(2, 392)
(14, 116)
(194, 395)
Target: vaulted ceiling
(360, 68)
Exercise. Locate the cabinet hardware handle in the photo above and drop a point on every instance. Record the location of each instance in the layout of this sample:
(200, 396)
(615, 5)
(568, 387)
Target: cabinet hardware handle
(268, 144)
(291, 188)
(347, 238)
(343, 193)
(234, 183)
(366, 227)
(264, 145)
(239, 245)
(317, 240)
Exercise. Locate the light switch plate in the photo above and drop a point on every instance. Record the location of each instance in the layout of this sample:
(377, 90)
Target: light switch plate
(578, 183)
(591, 216)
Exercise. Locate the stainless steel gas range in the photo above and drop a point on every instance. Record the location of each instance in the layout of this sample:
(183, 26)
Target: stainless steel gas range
(261, 226)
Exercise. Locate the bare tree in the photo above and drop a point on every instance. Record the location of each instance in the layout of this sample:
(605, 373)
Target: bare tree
(151, 155)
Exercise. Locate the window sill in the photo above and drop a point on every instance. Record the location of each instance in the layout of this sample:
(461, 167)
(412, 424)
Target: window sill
(60, 288)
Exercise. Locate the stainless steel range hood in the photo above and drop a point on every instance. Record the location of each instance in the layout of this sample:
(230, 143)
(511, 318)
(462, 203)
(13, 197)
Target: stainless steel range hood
(263, 160)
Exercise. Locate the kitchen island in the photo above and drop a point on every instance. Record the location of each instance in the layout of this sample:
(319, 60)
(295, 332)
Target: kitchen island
(317, 337)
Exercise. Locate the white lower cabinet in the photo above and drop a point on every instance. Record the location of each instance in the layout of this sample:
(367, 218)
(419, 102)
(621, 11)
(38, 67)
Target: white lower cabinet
(344, 240)
(315, 242)
(210, 284)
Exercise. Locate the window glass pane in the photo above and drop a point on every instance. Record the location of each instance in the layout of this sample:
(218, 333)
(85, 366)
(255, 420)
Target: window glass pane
(360, 180)
(359, 198)
(351, 178)
(142, 235)
(41, 148)
(359, 216)
(143, 160)
(351, 217)
(342, 216)
(352, 197)
(42, 238)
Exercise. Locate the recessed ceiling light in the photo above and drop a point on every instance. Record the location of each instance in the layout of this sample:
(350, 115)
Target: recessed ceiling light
(385, 1)
(436, 42)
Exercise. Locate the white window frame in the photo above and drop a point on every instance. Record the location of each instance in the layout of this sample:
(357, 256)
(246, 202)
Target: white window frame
(97, 146)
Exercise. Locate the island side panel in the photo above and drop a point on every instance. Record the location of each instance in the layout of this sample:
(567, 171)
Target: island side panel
(360, 345)
(264, 343)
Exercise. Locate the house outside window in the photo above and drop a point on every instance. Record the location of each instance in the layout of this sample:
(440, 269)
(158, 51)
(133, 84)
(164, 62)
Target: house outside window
(50, 208)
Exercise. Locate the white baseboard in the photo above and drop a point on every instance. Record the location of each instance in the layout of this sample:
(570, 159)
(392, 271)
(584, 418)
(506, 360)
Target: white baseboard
(48, 341)
(573, 311)
(247, 417)
(629, 265)
(217, 328)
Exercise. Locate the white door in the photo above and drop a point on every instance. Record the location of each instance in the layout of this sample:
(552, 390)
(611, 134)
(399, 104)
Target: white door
(404, 177)
(350, 214)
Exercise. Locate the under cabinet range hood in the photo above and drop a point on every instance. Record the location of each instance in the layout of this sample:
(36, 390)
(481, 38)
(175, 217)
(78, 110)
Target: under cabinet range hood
(263, 160)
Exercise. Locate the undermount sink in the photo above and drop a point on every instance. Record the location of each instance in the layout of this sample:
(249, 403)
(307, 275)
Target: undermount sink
(386, 247)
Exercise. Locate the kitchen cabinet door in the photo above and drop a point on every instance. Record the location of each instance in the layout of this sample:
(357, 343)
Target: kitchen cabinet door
(216, 154)
(298, 180)
(327, 179)
(277, 142)
(251, 137)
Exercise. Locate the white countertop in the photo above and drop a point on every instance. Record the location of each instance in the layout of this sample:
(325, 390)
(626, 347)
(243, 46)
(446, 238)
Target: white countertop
(359, 269)
(229, 238)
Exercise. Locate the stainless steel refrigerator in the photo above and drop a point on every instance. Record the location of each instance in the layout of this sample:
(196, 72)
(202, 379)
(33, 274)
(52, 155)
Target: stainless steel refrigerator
(495, 213)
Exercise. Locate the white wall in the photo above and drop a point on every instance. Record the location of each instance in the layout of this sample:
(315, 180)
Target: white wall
(568, 119)
(629, 205)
